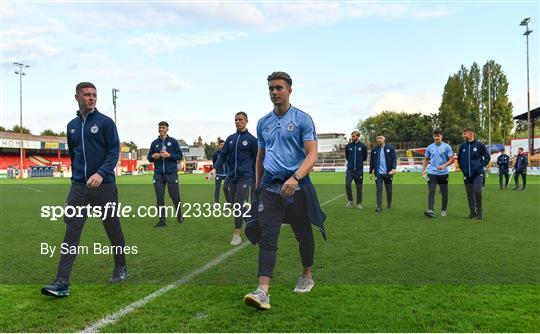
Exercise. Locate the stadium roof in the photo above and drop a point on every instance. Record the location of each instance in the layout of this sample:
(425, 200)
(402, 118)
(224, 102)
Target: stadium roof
(26, 136)
(535, 113)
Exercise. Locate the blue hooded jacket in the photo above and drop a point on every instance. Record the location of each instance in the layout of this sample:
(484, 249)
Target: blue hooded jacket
(165, 165)
(389, 156)
(94, 147)
(472, 158)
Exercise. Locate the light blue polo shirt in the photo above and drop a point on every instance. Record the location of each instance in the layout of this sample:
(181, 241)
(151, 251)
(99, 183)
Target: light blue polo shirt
(438, 155)
(283, 139)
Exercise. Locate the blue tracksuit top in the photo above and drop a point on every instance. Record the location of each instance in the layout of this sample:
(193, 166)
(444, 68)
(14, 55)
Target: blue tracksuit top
(94, 147)
(356, 154)
(390, 158)
(472, 157)
(239, 153)
(165, 165)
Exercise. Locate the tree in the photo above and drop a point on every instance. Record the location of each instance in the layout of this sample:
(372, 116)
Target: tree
(17, 129)
(132, 146)
(2, 129)
(49, 132)
(452, 112)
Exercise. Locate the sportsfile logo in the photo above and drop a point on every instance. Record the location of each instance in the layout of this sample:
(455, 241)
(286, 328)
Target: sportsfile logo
(119, 210)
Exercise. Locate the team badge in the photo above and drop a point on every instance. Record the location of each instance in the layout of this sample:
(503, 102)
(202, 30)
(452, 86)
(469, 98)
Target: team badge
(94, 129)
(72, 131)
(387, 150)
(475, 149)
(230, 142)
(157, 145)
(463, 150)
(245, 143)
(261, 207)
(291, 126)
(359, 149)
(169, 144)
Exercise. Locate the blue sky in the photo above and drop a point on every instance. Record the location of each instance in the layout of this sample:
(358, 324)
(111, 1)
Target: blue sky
(195, 64)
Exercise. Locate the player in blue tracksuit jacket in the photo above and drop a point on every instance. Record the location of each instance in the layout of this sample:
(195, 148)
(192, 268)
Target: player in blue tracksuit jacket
(356, 154)
(383, 164)
(165, 153)
(94, 146)
(521, 169)
(239, 154)
(220, 173)
(473, 156)
(503, 163)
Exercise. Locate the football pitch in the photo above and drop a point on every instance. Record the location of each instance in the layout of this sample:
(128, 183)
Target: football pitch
(396, 271)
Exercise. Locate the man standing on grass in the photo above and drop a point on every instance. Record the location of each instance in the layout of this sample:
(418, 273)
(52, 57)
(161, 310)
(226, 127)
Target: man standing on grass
(93, 147)
(521, 169)
(383, 164)
(356, 154)
(473, 156)
(503, 162)
(287, 153)
(221, 173)
(165, 153)
(439, 155)
(239, 154)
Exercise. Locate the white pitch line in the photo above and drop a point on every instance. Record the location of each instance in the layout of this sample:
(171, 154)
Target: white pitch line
(112, 318)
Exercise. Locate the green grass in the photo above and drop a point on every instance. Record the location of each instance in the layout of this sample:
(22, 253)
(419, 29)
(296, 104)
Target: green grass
(397, 271)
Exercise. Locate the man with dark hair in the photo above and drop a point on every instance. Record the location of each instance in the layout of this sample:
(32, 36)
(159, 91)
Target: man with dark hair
(94, 146)
(503, 162)
(356, 154)
(165, 153)
(383, 164)
(521, 169)
(239, 153)
(287, 153)
(221, 173)
(473, 156)
(439, 155)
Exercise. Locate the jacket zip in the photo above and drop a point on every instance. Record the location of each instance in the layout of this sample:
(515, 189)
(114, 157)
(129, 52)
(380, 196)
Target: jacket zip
(355, 157)
(236, 154)
(469, 146)
(84, 152)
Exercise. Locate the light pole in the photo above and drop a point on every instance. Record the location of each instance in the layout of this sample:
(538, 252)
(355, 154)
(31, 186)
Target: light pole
(20, 73)
(114, 97)
(489, 107)
(527, 32)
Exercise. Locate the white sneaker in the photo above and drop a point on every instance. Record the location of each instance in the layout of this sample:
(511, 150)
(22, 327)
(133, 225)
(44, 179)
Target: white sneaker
(305, 284)
(359, 206)
(349, 204)
(258, 299)
(443, 213)
(236, 240)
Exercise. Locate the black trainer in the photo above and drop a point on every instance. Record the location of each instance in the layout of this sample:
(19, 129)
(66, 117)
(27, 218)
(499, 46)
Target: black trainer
(58, 288)
(472, 216)
(160, 224)
(378, 210)
(119, 274)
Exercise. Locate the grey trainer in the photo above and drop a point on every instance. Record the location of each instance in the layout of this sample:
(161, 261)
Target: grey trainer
(305, 284)
(258, 299)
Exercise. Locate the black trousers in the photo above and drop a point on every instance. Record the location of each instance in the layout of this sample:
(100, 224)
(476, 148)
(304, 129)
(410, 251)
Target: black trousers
(473, 186)
(523, 178)
(273, 211)
(506, 177)
(171, 182)
(217, 188)
(80, 195)
(387, 180)
(239, 189)
(433, 181)
(358, 178)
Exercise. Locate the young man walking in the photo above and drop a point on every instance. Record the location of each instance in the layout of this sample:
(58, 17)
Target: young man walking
(503, 163)
(521, 169)
(356, 154)
(239, 153)
(383, 164)
(287, 153)
(473, 156)
(438, 157)
(220, 174)
(93, 148)
(165, 153)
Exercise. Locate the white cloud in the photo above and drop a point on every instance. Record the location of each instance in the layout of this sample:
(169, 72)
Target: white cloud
(423, 102)
(154, 43)
(28, 49)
